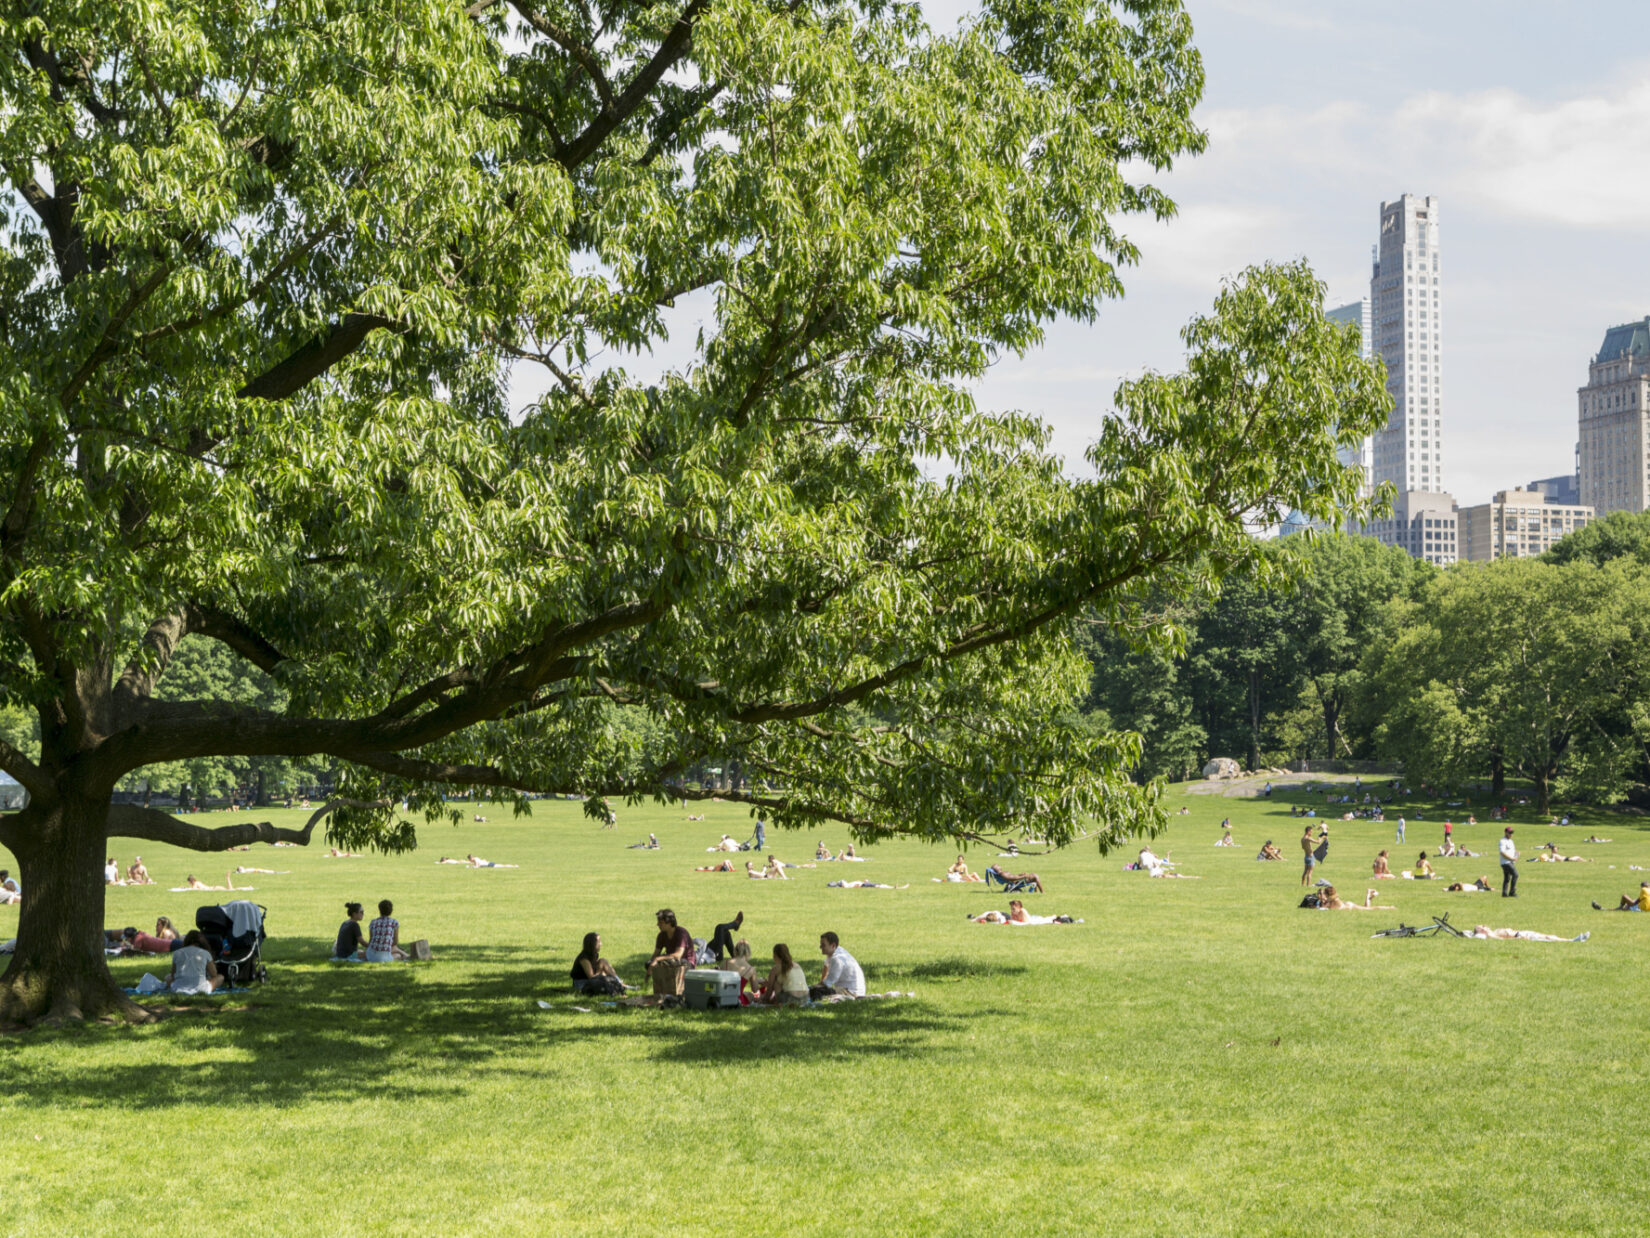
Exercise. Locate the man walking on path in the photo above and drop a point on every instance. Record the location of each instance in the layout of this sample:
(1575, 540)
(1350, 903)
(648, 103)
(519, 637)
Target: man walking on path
(1311, 860)
(1509, 866)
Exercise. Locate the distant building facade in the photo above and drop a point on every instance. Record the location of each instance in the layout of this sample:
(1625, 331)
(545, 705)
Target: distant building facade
(1359, 314)
(1424, 524)
(1406, 305)
(1517, 524)
(1565, 491)
(1613, 455)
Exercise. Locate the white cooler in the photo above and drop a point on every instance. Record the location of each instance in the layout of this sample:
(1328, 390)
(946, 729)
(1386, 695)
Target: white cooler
(705, 988)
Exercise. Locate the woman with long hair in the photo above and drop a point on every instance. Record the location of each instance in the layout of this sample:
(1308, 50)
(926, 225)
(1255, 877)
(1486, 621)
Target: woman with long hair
(786, 984)
(591, 972)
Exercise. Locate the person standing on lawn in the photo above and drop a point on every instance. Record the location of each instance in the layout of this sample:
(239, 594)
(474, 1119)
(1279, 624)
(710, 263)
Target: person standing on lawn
(1401, 824)
(1310, 859)
(1509, 865)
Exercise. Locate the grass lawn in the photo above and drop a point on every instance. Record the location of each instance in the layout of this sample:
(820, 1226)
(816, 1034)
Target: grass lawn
(1197, 1058)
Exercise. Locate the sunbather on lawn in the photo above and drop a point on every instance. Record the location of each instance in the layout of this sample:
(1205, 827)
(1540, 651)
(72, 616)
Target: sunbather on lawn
(1510, 934)
(726, 866)
(863, 885)
(332, 854)
(1476, 887)
(773, 872)
(1017, 914)
(1381, 867)
(1006, 878)
(475, 861)
(1632, 902)
(242, 868)
(194, 883)
(1328, 900)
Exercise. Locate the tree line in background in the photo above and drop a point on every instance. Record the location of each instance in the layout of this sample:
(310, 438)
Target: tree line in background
(1534, 669)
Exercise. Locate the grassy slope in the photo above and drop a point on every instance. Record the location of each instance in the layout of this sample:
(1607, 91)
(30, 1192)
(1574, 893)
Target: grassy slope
(1198, 1058)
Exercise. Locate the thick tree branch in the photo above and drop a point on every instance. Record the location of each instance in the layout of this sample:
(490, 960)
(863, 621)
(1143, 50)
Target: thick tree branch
(672, 49)
(133, 821)
(30, 776)
(308, 362)
(226, 629)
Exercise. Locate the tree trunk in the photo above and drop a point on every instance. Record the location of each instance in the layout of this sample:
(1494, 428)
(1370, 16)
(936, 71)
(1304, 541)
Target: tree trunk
(1498, 776)
(1254, 719)
(58, 971)
(263, 789)
(1543, 785)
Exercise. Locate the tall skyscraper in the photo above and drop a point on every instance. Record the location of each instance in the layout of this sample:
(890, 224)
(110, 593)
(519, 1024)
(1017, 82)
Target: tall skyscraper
(1613, 457)
(1360, 314)
(1404, 294)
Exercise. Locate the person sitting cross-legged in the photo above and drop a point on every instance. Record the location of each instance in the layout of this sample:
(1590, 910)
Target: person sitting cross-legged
(592, 973)
(843, 973)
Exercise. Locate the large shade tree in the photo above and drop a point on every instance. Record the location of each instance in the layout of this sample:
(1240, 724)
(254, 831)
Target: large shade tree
(271, 272)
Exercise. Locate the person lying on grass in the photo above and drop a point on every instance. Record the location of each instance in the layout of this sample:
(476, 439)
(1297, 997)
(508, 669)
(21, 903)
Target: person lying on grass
(593, 973)
(726, 866)
(1381, 867)
(135, 941)
(1152, 864)
(774, 870)
(242, 868)
(332, 853)
(475, 861)
(1476, 887)
(192, 882)
(1484, 931)
(1017, 914)
(1549, 855)
(652, 844)
(1629, 902)
(1329, 900)
(863, 885)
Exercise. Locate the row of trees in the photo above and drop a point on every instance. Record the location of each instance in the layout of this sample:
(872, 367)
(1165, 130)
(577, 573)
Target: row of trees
(1537, 669)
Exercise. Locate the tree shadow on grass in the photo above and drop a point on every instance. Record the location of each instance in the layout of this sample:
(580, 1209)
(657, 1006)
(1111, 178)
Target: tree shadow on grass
(954, 969)
(322, 1032)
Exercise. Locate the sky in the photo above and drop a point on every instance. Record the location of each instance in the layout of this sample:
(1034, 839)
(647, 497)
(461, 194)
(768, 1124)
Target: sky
(1529, 120)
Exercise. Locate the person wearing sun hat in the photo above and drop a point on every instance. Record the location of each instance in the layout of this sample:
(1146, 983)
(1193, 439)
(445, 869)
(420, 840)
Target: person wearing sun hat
(1509, 865)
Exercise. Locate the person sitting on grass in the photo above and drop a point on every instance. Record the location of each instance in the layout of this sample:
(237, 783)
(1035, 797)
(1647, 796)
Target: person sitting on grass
(1381, 867)
(652, 844)
(740, 962)
(111, 873)
(786, 984)
(672, 949)
(1423, 868)
(726, 866)
(727, 844)
(843, 973)
(1476, 887)
(959, 872)
(847, 853)
(1329, 900)
(10, 891)
(1510, 934)
(774, 871)
(193, 970)
(1010, 878)
(822, 852)
(384, 936)
(137, 874)
(1631, 903)
(1269, 852)
(351, 942)
(1226, 839)
(591, 972)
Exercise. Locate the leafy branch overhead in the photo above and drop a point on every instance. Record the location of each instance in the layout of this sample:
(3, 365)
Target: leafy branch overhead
(272, 273)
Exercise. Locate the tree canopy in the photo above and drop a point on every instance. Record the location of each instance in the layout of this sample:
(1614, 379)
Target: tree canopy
(271, 274)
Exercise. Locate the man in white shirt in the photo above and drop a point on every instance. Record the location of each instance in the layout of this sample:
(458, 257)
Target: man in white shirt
(842, 971)
(10, 891)
(1509, 866)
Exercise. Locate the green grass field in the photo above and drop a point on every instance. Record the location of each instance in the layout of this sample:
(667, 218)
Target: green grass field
(1198, 1057)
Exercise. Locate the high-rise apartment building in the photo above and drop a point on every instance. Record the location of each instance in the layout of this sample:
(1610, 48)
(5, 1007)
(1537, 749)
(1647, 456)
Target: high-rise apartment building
(1406, 307)
(1423, 524)
(1613, 457)
(1517, 524)
(1361, 315)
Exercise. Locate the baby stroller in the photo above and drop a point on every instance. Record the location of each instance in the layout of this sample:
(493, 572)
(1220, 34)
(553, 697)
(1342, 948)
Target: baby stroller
(235, 934)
